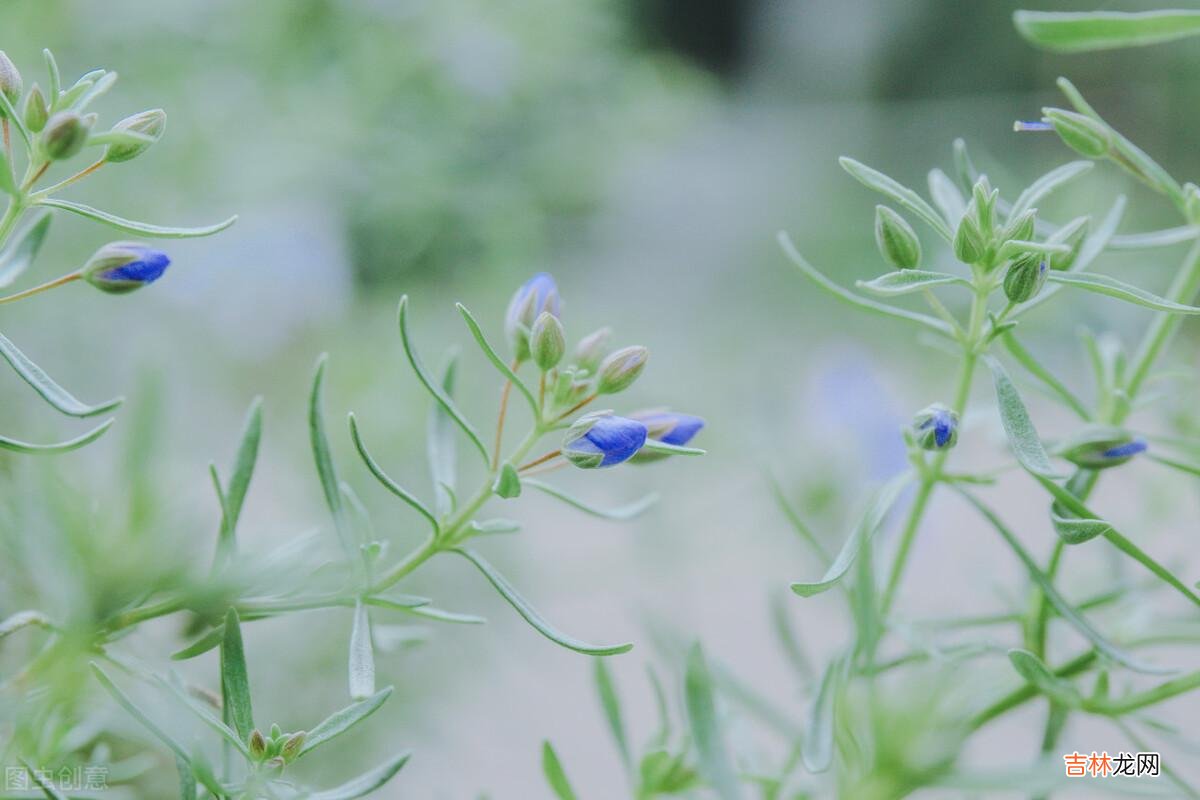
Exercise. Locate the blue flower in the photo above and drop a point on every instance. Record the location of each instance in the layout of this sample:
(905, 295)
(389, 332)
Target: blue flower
(1032, 125)
(667, 427)
(1127, 450)
(120, 267)
(536, 295)
(1101, 447)
(936, 427)
(603, 440)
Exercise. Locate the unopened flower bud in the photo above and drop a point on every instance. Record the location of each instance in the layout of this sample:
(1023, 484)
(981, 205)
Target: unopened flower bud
(257, 745)
(969, 244)
(148, 123)
(276, 731)
(667, 427)
(984, 201)
(10, 80)
(36, 110)
(536, 295)
(120, 267)
(1101, 448)
(1025, 278)
(1072, 235)
(547, 342)
(1080, 132)
(936, 428)
(1021, 228)
(292, 745)
(896, 240)
(602, 440)
(64, 135)
(620, 369)
(592, 349)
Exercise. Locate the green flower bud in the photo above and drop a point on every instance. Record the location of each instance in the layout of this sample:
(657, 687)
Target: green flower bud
(592, 349)
(148, 123)
(257, 745)
(121, 267)
(547, 342)
(1021, 228)
(276, 731)
(291, 747)
(936, 428)
(896, 240)
(1026, 277)
(620, 369)
(10, 80)
(969, 245)
(1080, 132)
(1072, 235)
(1101, 448)
(64, 135)
(984, 197)
(36, 110)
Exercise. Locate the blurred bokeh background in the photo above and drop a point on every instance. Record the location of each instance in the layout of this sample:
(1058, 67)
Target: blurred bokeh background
(643, 151)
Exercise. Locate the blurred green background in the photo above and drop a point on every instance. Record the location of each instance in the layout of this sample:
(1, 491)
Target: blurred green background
(643, 151)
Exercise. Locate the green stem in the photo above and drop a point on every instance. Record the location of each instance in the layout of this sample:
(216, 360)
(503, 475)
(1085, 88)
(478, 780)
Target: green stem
(1183, 289)
(65, 279)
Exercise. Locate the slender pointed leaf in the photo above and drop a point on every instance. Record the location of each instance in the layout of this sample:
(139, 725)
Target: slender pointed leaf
(206, 716)
(440, 445)
(555, 775)
(817, 747)
(610, 703)
(882, 502)
(244, 462)
(187, 780)
(403, 602)
(624, 512)
(18, 256)
(441, 615)
(133, 226)
(1022, 436)
(362, 655)
(530, 615)
(1045, 184)
(497, 361)
(1074, 32)
(135, 712)
(44, 385)
(1093, 245)
(38, 778)
(873, 179)
(18, 446)
(715, 762)
(847, 296)
(202, 645)
(386, 480)
(906, 281)
(946, 197)
(235, 682)
(365, 783)
(1034, 670)
(326, 472)
(1103, 284)
(341, 721)
(438, 394)
(655, 446)
(1036, 369)
(1151, 239)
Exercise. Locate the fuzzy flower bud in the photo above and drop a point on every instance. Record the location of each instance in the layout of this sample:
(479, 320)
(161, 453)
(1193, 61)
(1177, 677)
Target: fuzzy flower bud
(896, 240)
(602, 440)
(120, 267)
(1025, 278)
(291, 746)
(64, 136)
(1080, 132)
(667, 427)
(36, 110)
(936, 428)
(547, 342)
(592, 349)
(1101, 448)
(10, 80)
(257, 745)
(1072, 235)
(148, 123)
(536, 295)
(619, 370)
(969, 244)
(1022, 227)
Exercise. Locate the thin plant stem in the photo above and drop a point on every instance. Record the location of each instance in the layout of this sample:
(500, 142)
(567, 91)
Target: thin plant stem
(78, 176)
(65, 279)
(553, 454)
(35, 176)
(576, 407)
(504, 393)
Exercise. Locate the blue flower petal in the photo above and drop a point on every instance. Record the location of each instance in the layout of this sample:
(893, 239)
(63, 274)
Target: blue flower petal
(617, 439)
(1125, 450)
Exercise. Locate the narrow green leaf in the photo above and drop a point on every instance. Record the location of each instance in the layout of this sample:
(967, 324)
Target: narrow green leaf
(906, 281)
(1152, 239)
(1064, 608)
(235, 682)
(438, 394)
(202, 645)
(205, 715)
(610, 703)
(55, 78)
(120, 138)
(47, 788)
(323, 459)
(244, 462)
(491, 527)
(365, 783)
(1014, 248)
(187, 780)
(18, 446)
(7, 184)
(133, 226)
(440, 446)
(1022, 436)
(1075, 32)
(22, 249)
(880, 504)
(441, 615)
(715, 763)
(23, 619)
(555, 775)
(397, 601)
(817, 746)
(387, 482)
(362, 655)
(1190, 469)
(847, 296)
(135, 712)
(655, 446)
(624, 512)
(1034, 670)
(51, 392)
(1075, 530)
(873, 179)
(800, 526)
(341, 721)
(531, 616)
(1103, 284)
(497, 361)
(946, 197)
(1036, 369)
(1045, 184)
